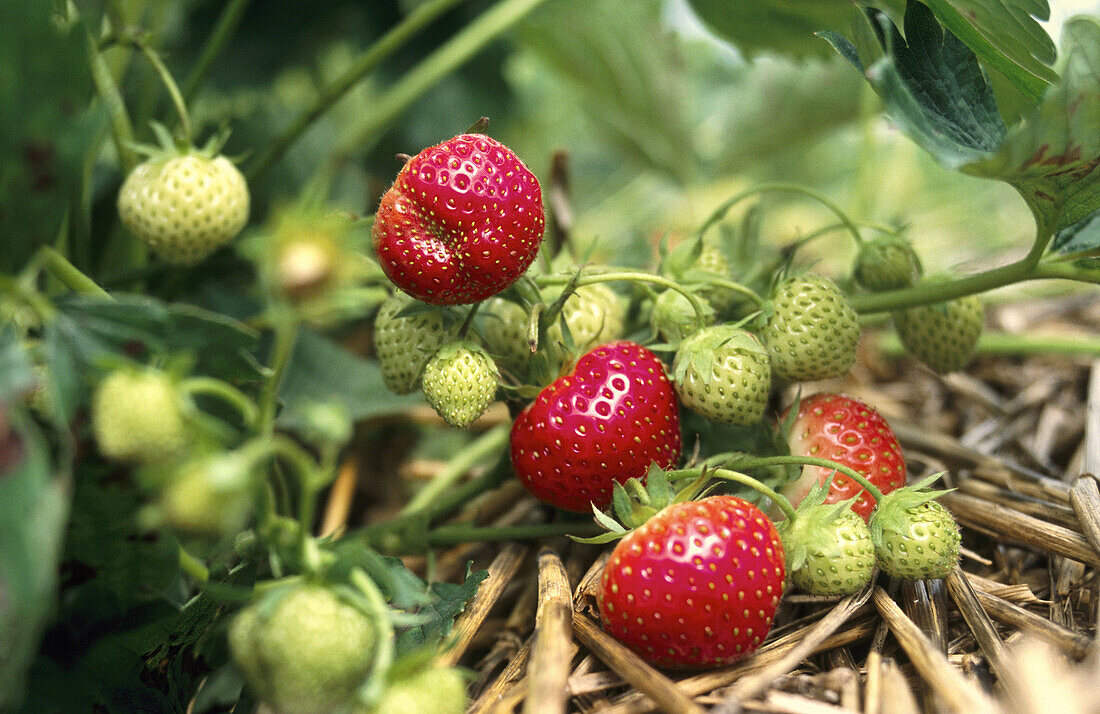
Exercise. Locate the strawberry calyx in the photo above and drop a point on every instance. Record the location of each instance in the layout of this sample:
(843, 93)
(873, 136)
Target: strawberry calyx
(634, 502)
(890, 515)
(700, 351)
(809, 532)
(169, 147)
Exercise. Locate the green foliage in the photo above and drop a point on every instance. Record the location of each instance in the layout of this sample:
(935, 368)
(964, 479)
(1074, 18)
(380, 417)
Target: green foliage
(934, 88)
(781, 25)
(34, 504)
(45, 125)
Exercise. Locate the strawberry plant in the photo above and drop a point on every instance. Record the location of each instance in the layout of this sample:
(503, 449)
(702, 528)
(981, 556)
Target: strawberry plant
(296, 363)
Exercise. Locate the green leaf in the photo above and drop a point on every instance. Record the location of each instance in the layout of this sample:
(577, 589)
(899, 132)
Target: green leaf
(448, 600)
(935, 91)
(627, 78)
(16, 374)
(785, 26)
(1053, 155)
(44, 129)
(1081, 237)
(34, 503)
(220, 346)
(1006, 35)
(321, 371)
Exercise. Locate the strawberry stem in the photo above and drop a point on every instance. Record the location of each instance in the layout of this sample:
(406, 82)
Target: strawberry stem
(228, 21)
(777, 498)
(488, 443)
(465, 533)
(633, 276)
(721, 211)
(226, 392)
(375, 55)
(758, 461)
(169, 84)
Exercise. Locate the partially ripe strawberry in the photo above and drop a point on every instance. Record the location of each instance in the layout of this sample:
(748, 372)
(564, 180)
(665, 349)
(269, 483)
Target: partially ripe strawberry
(460, 382)
(462, 221)
(184, 206)
(813, 331)
(942, 336)
(853, 434)
(697, 585)
(723, 373)
(404, 344)
(137, 416)
(605, 422)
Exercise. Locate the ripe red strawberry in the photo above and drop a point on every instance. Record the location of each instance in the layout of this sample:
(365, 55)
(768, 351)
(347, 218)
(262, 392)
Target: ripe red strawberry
(851, 433)
(697, 585)
(606, 422)
(462, 221)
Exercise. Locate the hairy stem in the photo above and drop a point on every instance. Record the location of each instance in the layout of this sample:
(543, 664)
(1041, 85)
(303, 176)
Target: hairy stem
(757, 462)
(777, 498)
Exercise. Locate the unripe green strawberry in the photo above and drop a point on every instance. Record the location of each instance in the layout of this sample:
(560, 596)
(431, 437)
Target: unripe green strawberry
(915, 536)
(674, 318)
(137, 416)
(829, 547)
(404, 344)
(505, 331)
(887, 263)
(207, 496)
(303, 650)
(460, 382)
(438, 690)
(942, 336)
(712, 260)
(813, 331)
(184, 206)
(723, 373)
(595, 315)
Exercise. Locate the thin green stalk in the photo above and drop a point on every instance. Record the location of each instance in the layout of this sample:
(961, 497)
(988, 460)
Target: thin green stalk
(286, 333)
(169, 84)
(777, 498)
(378, 52)
(463, 533)
(721, 211)
(227, 393)
(741, 289)
(227, 24)
(760, 461)
(449, 57)
(487, 444)
(631, 276)
(68, 274)
(122, 130)
(1007, 344)
(194, 567)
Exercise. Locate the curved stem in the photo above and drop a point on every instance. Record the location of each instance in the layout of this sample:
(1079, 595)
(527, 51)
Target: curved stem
(169, 84)
(756, 462)
(228, 21)
(286, 332)
(385, 651)
(122, 130)
(68, 274)
(740, 289)
(194, 567)
(635, 277)
(777, 498)
(468, 321)
(721, 211)
(447, 58)
(385, 46)
(227, 393)
(488, 443)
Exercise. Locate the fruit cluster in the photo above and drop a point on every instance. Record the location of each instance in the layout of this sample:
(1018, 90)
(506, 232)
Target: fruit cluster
(598, 417)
